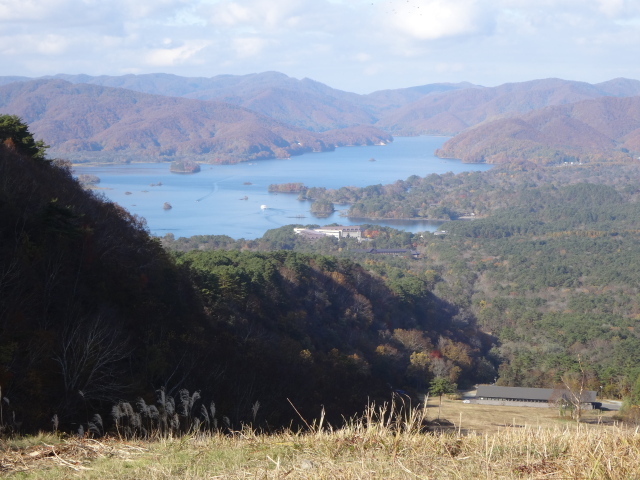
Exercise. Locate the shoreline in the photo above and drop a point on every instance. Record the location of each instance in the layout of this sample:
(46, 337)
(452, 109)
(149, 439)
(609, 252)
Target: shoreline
(405, 219)
(415, 219)
(147, 159)
(228, 184)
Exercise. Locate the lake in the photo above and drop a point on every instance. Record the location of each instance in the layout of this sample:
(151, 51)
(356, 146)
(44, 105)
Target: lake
(212, 202)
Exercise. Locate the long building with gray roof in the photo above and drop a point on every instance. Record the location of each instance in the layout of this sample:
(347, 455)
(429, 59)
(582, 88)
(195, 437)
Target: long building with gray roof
(531, 397)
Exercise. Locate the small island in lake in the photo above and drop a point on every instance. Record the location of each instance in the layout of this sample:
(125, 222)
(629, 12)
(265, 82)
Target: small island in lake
(292, 187)
(322, 208)
(184, 166)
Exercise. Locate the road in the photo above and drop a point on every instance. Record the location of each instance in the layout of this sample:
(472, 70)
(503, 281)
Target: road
(611, 404)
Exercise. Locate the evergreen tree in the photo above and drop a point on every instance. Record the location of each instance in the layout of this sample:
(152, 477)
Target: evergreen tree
(15, 134)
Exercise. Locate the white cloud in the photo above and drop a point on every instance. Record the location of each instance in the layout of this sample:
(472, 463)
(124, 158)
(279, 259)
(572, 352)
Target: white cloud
(152, 8)
(52, 45)
(449, 67)
(83, 13)
(372, 70)
(24, 45)
(278, 17)
(261, 15)
(611, 8)
(437, 19)
(231, 14)
(391, 42)
(168, 57)
(246, 47)
(32, 10)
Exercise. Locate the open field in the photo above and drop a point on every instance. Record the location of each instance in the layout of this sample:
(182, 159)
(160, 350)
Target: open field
(379, 445)
(491, 419)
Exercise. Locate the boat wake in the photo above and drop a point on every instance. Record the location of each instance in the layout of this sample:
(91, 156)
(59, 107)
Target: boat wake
(214, 189)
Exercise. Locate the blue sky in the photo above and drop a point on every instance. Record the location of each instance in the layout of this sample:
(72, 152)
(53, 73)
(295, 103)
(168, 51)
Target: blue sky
(354, 45)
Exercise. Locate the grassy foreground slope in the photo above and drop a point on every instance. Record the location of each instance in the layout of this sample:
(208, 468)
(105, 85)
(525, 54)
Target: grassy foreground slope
(380, 445)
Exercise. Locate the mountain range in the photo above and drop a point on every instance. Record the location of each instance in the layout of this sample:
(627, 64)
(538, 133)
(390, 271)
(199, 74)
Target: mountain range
(93, 121)
(448, 113)
(601, 129)
(231, 118)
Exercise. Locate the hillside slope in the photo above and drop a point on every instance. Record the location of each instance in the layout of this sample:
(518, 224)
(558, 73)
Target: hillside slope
(231, 118)
(93, 311)
(449, 113)
(91, 308)
(602, 129)
(101, 122)
(303, 103)
(300, 103)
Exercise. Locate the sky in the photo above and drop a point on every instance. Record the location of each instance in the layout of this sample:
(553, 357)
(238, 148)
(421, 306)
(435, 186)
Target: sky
(353, 45)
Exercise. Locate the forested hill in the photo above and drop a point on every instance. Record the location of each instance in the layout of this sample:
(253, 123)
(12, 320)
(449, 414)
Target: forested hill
(233, 118)
(603, 129)
(305, 103)
(552, 268)
(451, 112)
(439, 108)
(555, 276)
(94, 311)
(93, 122)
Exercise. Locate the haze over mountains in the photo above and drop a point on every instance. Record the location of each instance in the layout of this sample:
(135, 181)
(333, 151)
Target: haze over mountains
(234, 118)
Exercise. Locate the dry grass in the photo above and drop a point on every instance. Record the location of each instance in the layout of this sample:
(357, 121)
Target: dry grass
(45, 452)
(492, 419)
(379, 445)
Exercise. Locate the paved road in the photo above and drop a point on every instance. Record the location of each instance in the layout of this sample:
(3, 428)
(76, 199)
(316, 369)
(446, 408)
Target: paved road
(611, 404)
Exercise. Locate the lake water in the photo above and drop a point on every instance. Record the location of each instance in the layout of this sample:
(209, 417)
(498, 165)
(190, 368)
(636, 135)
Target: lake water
(210, 202)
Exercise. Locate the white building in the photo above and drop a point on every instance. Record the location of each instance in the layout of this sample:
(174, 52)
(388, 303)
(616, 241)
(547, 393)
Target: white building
(340, 232)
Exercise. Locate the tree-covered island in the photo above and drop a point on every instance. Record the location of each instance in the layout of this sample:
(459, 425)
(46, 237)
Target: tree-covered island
(184, 166)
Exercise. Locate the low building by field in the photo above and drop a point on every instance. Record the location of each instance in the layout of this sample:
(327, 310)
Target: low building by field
(531, 397)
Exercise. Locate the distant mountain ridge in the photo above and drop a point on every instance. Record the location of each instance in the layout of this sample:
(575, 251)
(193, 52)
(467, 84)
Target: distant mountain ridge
(449, 113)
(601, 129)
(284, 116)
(303, 103)
(96, 121)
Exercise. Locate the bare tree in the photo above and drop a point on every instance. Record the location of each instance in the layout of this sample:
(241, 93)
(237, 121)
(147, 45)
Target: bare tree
(89, 356)
(573, 392)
